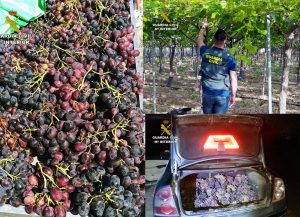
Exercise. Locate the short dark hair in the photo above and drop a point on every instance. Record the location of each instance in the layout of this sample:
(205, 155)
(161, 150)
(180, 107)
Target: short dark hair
(220, 35)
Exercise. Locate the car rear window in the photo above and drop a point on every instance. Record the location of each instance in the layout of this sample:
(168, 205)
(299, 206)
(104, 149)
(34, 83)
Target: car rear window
(238, 140)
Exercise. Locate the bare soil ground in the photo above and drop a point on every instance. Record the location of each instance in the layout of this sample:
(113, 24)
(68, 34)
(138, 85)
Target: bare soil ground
(185, 91)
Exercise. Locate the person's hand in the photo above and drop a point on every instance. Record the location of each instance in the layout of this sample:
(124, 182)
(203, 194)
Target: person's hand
(205, 23)
(232, 100)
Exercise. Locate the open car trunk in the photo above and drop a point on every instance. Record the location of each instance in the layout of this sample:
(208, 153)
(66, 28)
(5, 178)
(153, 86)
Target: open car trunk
(223, 189)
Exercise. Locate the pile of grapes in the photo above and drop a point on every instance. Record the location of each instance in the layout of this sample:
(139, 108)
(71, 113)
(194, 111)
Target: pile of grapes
(71, 131)
(222, 190)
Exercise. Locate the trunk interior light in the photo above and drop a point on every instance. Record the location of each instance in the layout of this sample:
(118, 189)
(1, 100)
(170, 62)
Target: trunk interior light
(221, 142)
(164, 204)
(279, 190)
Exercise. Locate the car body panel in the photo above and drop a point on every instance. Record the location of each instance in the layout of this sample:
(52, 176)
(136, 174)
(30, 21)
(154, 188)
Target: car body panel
(210, 120)
(267, 210)
(177, 166)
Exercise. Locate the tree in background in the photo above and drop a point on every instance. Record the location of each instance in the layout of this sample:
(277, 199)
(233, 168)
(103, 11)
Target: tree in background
(243, 20)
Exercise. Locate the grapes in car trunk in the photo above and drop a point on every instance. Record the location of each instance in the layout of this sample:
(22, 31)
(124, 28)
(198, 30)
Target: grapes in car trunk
(221, 189)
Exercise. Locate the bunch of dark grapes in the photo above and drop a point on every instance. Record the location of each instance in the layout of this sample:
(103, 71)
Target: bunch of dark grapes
(70, 99)
(16, 91)
(15, 166)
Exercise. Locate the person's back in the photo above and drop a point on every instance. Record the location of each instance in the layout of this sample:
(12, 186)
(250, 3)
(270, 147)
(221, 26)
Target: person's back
(218, 72)
(215, 67)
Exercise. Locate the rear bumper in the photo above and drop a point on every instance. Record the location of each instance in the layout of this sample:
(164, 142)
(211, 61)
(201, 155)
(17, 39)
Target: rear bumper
(274, 210)
(281, 214)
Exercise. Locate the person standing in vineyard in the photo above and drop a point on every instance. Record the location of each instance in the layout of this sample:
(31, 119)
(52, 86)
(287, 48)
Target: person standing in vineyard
(218, 73)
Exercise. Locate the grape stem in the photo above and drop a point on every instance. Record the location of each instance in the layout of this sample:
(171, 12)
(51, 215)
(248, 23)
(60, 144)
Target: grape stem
(36, 82)
(48, 107)
(84, 41)
(108, 25)
(45, 177)
(115, 93)
(104, 134)
(82, 80)
(63, 63)
(29, 130)
(107, 196)
(40, 196)
(66, 51)
(8, 160)
(103, 39)
(99, 6)
(17, 66)
(42, 50)
(94, 108)
(122, 162)
(37, 79)
(120, 126)
(64, 170)
(72, 6)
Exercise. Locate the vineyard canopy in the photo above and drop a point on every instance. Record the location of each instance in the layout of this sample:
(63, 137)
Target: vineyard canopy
(243, 20)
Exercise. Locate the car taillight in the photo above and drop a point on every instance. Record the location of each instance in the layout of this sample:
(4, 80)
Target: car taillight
(279, 190)
(164, 203)
(221, 142)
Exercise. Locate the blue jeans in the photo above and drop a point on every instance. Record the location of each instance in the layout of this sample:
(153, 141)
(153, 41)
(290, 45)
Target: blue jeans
(215, 104)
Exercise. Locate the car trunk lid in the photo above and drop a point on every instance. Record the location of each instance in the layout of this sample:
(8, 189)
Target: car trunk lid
(198, 138)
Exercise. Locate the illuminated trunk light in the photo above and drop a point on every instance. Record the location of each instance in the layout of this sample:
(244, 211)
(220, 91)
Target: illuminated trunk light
(221, 142)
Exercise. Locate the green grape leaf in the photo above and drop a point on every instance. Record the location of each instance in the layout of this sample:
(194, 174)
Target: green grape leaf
(250, 47)
(242, 57)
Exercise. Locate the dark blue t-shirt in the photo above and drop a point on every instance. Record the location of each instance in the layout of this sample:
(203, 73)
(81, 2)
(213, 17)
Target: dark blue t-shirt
(231, 66)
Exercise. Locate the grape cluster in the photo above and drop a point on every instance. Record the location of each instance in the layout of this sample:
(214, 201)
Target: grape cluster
(222, 190)
(15, 91)
(14, 169)
(69, 106)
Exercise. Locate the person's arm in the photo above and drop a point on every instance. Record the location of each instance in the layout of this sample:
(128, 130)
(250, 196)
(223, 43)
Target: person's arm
(201, 36)
(234, 86)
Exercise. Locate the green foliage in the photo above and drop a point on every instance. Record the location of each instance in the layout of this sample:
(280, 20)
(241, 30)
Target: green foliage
(243, 20)
(193, 95)
(234, 49)
(297, 45)
(242, 57)
(277, 69)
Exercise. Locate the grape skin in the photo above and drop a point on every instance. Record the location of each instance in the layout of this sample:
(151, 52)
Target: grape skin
(54, 100)
(221, 190)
